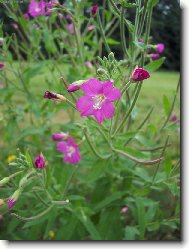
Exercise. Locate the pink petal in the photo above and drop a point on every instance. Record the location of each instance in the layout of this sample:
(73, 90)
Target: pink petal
(92, 87)
(62, 147)
(84, 103)
(111, 93)
(108, 109)
(99, 115)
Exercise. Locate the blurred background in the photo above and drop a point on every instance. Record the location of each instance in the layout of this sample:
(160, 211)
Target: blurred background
(165, 29)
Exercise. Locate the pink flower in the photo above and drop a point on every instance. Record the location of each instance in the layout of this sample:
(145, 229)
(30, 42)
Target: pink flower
(36, 8)
(68, 17)
(2, 65)
(39, 162)
(91, 27)
(2, 85)
(88, 64)
(154, 56)
(59, 136)
(174, 119)
(98, 99)
(71, 28)
(71, 151)
(124, 209)
(141, 40)
(51, 3)
(94, 10)
(160, 47)
(139, 74)
(26, 16)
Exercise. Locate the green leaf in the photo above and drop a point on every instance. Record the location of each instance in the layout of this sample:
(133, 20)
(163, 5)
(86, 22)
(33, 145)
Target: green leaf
(154, 65)
(112, 41)
(97, 170)
(167, 166)
(152, 3)
(29, 160)
(131, 233)
(166, 105)
(141, 217)
(107, 201)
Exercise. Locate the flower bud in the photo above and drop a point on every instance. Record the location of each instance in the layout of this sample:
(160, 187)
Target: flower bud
(39, 162)
(160, 47)
(26, 16)
(2, 65)
(111, 56)
(4, 181)
(14, 198)
(1, 40)
(101, 71)
(139, 74)
(75, 85)
(154, 56)
(94, 10)
(54, 96)
(59, 136)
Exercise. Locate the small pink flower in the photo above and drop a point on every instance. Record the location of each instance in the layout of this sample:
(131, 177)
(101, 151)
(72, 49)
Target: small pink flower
(124, 209)
(59, 136)
(68, 17)
(2, 85)
(89, 64)
(14, 26)
(94, 10)
(39, 162)
(154, 56)
(174, 119)
(71, 151)
(91, 27)
(139, 74)
(71, 28)
(72, 88)
(26, 16)
(51, 4)
(98, 99)
(2, 65)
(36, 8)
(160, 47)
(141, 40)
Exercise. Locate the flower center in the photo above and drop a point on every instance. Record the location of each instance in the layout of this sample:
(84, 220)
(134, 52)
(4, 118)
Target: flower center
(70, 150)
(37, 9)
(98, 100)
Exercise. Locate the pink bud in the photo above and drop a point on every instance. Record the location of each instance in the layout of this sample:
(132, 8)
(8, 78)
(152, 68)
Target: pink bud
(26, 16)
(140, 40)
(154, 56)
(139, 74)
(94, 10)
(88, 64)
(72, 88)
(160, 47)
(39, 162)
(2, 65)
(11, 203)
(124, 209)
(59, 136)
(15, 26)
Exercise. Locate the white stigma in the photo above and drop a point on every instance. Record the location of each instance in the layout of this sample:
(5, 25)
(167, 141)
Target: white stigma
(98, 100)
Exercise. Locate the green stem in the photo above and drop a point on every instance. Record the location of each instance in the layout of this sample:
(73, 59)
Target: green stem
(145, 162)
(93, 148)
(122, 32)
(102, 33)
(33, 217)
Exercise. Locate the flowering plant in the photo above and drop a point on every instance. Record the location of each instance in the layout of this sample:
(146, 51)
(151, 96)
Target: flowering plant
(116, 161)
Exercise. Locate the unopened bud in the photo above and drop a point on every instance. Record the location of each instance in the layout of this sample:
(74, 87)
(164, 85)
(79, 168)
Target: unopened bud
(101, 71)
(54, 96)
(111, 56)
(14, 198)
(75, 85)
(4, 181)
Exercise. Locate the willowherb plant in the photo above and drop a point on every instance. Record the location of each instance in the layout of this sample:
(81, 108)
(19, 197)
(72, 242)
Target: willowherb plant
(110, 151)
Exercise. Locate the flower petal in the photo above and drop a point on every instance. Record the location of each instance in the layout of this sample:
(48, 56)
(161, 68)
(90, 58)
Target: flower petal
(62, 147)
(84, 103)
(99, 115)
(108, 109)
(92, 87)
(111, 93)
